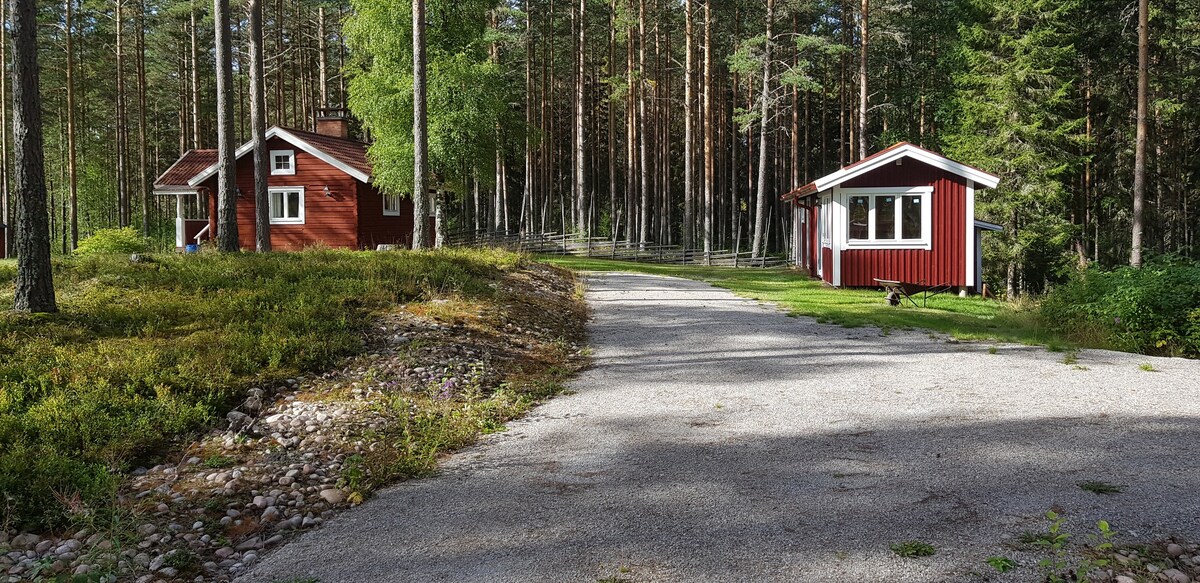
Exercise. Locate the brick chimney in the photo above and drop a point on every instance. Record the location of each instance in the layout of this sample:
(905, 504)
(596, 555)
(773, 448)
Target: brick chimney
(338, 127)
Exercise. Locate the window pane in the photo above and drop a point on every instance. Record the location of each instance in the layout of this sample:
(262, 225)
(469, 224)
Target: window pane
(276, 205)
(858, 217)
(885, 217)
(293, 205)
(910, 217)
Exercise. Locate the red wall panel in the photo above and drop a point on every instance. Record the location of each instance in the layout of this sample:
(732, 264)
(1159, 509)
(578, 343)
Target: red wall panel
(945, 263)
(376, 229)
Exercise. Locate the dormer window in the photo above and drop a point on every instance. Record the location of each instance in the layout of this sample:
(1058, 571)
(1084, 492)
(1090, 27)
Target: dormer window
(283, 162)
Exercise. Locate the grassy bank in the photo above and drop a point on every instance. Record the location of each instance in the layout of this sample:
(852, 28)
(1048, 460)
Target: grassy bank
(970, 318)
(144, 354)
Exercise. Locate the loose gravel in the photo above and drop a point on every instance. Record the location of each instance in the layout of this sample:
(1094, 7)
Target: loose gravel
(718, 439)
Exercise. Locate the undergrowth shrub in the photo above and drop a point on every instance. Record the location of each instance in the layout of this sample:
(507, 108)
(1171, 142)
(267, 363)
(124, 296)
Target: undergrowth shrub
(118, 241)
(1152, 310)
(144, 354)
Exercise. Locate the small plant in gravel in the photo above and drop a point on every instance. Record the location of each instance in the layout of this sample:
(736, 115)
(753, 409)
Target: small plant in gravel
(1002, 564)
(1071, 357)
(1060, 567)
(913, 548)
(993, 350)
(1098, 487)
(1147, 367)
(218, 461)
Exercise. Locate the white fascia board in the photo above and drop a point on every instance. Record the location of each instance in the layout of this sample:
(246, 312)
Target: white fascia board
(295, 141)
(845, 174)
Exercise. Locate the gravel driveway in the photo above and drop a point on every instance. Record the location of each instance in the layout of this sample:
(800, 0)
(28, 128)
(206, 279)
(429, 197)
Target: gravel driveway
(717, 439)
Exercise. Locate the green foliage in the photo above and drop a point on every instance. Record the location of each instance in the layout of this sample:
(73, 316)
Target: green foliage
(468, 95)
(1149, 310)
(125, 241)
(143, 353)
(913, 549)
(1002, 564)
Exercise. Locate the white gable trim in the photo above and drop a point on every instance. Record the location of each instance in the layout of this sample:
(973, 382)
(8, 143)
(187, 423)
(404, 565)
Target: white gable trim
(910, 151)
(277, 132)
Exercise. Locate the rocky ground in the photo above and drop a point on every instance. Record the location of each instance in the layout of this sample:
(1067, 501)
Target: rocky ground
(293, 454)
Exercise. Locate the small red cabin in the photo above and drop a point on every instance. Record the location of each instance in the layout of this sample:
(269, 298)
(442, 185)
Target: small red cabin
(903, 214)
(319, 187)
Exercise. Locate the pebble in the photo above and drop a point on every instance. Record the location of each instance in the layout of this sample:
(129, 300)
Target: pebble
(333, 496)
(1174, 549)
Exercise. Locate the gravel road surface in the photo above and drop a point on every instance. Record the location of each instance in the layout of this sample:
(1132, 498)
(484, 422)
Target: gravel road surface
(718, 439)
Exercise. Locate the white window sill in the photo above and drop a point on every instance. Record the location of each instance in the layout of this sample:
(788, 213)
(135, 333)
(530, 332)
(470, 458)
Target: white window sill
(911, 244)
(287, 221)
(391, 213)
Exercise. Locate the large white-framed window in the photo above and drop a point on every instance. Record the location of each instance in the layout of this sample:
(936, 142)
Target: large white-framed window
(391, 205)
(283, 162)
(889, 218)
(287, 205)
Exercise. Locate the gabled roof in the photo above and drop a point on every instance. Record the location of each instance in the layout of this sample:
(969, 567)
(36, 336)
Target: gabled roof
(177, 176)
(887, 156)
(349, 156)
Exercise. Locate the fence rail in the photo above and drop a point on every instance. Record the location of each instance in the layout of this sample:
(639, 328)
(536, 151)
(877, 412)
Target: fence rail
(580, 246)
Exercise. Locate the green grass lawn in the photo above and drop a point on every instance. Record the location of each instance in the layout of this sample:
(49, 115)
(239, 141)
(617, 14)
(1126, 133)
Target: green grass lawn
(971, 318)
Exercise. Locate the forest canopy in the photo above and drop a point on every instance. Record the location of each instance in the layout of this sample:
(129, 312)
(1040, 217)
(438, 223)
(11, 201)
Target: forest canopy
(657, 121)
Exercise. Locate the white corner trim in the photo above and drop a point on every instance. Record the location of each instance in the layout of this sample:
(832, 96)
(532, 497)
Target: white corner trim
(295, 141)
(837, 231)
(969, 235)
(907, 150)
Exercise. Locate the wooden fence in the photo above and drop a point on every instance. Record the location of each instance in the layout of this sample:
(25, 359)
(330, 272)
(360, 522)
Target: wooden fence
(578, 245)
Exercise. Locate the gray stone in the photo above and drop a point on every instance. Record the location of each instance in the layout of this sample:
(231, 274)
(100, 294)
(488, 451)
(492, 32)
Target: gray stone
(333, 496)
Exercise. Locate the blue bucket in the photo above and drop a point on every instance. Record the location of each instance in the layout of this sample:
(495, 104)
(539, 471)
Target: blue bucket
(191, 248)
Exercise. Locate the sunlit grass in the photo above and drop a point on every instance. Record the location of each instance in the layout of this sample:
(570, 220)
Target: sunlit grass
(971, 318)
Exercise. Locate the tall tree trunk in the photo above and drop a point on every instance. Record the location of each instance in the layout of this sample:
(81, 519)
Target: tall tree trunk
(527, 189)
(322, 57)
(121, 126)
(35, 278)
(196, 141)
(420, 123)
(643, 166)
(258, 130)
(227, 226)
(6, 202)
(689, 140)
(581, 217)
(612, 126)
(862, 81)
(631, 139)
(709, 174)
(1139, 156)
(143, 180)
(760, 207)
(72, 168)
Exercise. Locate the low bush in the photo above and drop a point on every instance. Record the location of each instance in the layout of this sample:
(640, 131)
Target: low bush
(1151, 310)
(143, 354)
(116, 241)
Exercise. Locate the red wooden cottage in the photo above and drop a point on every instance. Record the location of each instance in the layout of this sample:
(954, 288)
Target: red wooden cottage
(320, 192)
(903, 214)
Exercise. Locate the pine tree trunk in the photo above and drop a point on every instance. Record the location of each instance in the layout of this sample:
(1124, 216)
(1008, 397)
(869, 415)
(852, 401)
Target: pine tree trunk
(862, 82)
(420, 123)
(612, 127)
(72, 168)
(689, 140)
(527, 189)
(578, 184)
(143, 180)
(709, 174)
(322, 57)
(35, 277)
(1139, 156)
(196, 141)
(643, 166)
(760, 207)
(6, 201)
(258, 130)
(227, 226)
(121, 126)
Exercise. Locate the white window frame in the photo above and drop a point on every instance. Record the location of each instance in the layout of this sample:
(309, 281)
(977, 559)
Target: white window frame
(271, 192)
(926, 240)
(391, 213)
(290, 155)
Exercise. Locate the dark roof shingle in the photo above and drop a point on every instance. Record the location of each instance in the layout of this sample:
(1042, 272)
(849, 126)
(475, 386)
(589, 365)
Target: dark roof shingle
(189, 165)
